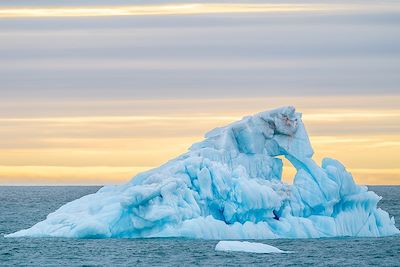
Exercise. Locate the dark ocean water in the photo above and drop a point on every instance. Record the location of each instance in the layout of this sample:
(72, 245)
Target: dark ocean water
(21, 207)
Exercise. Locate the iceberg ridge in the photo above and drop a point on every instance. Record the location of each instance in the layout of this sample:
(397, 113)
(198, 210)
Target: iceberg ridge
(229, 186)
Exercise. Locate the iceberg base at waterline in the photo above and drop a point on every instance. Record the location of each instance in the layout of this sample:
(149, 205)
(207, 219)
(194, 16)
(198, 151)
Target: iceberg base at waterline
(229, 186)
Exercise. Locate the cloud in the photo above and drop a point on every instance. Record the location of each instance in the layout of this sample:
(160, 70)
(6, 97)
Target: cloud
(91, 97)
(167, 9)
(210, 55)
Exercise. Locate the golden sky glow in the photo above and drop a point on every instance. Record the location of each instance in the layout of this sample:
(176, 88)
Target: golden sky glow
(94, 148)
(163, 9)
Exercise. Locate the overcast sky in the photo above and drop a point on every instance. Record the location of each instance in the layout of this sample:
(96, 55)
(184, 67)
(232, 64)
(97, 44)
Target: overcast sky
(342, 59)
(291, 53)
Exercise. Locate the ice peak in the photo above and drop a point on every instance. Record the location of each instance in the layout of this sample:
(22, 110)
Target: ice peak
(276, 132)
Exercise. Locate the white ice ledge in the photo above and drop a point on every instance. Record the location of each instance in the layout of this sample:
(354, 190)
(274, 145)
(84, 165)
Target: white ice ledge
(244, 246)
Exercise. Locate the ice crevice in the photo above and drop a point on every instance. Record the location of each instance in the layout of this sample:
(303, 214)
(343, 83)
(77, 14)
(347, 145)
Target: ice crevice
(228, 186)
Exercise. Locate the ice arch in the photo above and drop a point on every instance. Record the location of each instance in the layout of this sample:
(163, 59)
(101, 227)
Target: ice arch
(229, 186)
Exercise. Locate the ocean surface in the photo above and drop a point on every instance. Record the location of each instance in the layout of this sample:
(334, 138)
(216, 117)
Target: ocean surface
(21, 207)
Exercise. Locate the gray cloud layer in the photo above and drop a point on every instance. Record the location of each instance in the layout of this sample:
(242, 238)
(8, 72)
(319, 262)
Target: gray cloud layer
(328, 53)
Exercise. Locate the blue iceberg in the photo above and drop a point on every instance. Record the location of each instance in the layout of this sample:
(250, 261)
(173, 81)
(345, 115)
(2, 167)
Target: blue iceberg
(229, 186)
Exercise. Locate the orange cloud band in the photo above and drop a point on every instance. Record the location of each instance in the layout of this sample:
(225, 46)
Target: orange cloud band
(163, 9)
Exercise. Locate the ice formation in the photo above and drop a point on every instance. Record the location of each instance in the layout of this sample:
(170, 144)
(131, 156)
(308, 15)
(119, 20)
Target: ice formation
(229, 186)
(244, 246)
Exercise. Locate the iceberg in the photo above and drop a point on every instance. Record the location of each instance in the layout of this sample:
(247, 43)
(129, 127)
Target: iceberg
(244, 246)
(229, 186)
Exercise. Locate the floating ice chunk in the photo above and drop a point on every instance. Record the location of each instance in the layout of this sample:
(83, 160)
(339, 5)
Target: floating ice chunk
(244, 246)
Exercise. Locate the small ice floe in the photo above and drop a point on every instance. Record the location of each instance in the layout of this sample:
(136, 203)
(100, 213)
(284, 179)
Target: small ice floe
(244, 246)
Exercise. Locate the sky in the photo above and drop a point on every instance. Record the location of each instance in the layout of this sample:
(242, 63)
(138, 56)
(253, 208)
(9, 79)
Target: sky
(93, 94)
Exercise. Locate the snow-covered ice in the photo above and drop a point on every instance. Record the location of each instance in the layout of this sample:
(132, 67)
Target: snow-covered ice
(244, 246)
(229, 186)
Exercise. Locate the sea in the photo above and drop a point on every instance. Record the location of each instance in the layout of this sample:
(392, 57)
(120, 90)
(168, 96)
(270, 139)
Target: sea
(21, 207)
